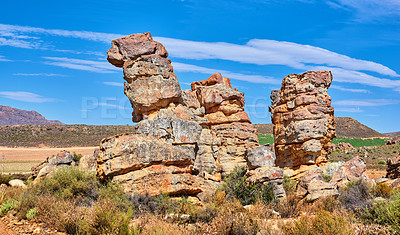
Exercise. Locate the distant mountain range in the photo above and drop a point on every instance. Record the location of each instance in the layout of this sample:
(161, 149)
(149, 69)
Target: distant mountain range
(13, 116)
(345, 127)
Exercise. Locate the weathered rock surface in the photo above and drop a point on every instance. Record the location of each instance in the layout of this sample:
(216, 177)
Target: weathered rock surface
(393, 168)
(52, 164)
(353, 169)
(151, 81)
(185, 140)
(312, 187)
(154, 92)
(268, 175)
(344, 146)
(303, 119)
(261, 156)
(88, 163)
(62, 160)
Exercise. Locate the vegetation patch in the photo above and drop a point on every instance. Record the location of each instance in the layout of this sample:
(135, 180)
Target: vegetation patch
(360, 142)
(265, 139)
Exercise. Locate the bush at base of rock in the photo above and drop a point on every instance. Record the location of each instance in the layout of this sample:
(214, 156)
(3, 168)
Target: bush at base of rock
(236, 186)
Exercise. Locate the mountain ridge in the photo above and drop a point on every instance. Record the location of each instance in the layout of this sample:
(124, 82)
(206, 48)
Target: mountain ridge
(14, 116)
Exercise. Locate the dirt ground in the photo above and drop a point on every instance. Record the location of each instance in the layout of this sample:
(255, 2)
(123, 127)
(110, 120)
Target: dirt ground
(21, 160)
(38, 154)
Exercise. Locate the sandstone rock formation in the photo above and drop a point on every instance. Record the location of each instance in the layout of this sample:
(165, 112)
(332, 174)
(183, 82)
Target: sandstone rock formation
(184, 140)
(303, 119)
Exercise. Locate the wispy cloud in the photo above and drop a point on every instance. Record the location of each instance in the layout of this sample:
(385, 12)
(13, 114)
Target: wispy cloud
(182, 67)
(349, 110)
(270, 52)
(119, 84)
(78, 64)
(369, 10)
(2, 58)
(255, 51)
(15, 30)
(349, 76)
(340, 88)
(39, 74)
(25, 96)
(366, 102)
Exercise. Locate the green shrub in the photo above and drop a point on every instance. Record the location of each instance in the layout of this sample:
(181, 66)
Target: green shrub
(77, 157)
(4, 179)
(31, 214)
(384, 212)
(382, 162)
(289, 185)
(237, 187)
(69, 183)
(7, 206)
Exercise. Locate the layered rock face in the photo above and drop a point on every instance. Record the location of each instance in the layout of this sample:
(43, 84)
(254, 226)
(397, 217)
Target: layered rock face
(185, 140)
(303, 119)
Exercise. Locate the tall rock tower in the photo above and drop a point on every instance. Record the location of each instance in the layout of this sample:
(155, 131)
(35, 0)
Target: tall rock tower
(303, 119)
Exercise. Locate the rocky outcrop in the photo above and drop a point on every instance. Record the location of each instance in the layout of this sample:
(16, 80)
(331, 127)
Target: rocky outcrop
(393, 168)
(303, 119)
(62, 160)
(351, 170)
(185, 140)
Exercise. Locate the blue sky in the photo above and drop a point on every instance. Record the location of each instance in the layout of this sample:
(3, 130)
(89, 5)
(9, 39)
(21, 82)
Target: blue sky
(53, 53)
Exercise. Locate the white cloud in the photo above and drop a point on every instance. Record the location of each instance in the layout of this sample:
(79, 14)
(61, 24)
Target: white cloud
(181, 67)
(340, 88)
(255, 51)
(349, 110)
(40, 74)
(269, 52)
(25, 96)
(366, 102)
(87, 65)
(119, 84)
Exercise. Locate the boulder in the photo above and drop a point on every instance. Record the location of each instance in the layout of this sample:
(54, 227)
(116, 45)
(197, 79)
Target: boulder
(88, 163)
(312, 187)
(268, 175)
(303, 119)
(261, 156)
(344, 146)
(62, 160)
(393, 168)
(17, 183)
(351, 170)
